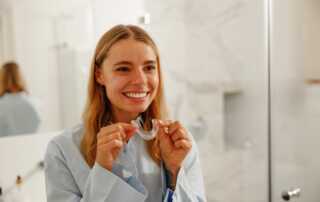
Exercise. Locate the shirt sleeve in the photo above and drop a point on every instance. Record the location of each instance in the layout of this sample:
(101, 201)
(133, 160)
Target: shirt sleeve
(101, 185)
(189, 186)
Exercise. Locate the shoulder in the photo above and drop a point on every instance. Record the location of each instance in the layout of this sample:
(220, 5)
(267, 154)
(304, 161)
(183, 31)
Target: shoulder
(14, 99)
(65, 143)
(27, 99)
(5, 104)
(4, 99)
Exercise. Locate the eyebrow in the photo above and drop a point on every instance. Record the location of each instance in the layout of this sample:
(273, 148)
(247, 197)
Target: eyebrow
(149, 62)
(130, 63)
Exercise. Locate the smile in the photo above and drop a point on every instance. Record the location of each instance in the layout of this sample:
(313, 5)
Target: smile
(136, 95)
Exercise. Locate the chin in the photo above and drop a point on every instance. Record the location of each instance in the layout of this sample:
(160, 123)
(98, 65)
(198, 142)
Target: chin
(137, 109)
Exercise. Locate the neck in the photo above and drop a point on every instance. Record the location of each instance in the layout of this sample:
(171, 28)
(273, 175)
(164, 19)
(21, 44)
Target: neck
(14, 90)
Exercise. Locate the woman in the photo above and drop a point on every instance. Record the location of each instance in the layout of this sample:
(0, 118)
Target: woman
(18, 114)
(104, 159)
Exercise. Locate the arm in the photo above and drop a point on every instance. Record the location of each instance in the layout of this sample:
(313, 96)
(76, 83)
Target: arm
(180, 156)
(189, 186)
(101, 184)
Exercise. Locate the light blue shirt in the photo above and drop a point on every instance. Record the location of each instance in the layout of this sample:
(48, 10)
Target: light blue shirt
(135, 177)
(18, 114)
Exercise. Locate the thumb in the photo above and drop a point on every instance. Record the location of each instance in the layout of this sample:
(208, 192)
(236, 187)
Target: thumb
(129, 130)
(163, 137)
(127, 126)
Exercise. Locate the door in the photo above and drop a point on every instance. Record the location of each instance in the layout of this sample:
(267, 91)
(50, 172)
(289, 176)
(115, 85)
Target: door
(295, 100)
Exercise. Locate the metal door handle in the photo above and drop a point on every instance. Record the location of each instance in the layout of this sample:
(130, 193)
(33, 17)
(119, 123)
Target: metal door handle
(293, 193)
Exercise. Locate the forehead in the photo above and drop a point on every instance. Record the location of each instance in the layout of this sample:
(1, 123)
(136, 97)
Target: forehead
(130, 49)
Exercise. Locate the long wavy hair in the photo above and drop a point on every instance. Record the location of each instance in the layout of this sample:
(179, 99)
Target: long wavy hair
(98, 111)
(11, 80)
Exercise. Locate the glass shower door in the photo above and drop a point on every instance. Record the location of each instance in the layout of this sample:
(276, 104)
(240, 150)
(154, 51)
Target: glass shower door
(295, 100)
(214, 58)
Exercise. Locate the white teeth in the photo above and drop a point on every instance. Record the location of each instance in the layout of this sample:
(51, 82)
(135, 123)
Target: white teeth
(136, 95)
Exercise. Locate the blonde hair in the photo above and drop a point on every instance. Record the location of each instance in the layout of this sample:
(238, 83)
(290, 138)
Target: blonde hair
(98, 112)
(11, 80)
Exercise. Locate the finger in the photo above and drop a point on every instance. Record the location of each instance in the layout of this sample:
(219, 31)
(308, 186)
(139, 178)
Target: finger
(106, 131)
(162, 135)
(161, 132)
(125, 128)
(128, 130)
(185, 144)
(118, 127)
(179, 134)
(174, 126)
(113, 144)
(164, 123)
(108, 138)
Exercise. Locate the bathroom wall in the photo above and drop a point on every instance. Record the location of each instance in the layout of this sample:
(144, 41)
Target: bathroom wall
(295, 102)
(6, 30)
(109, 13)
(73, 36)
(214, 59)
(19, 156)
(311, 41)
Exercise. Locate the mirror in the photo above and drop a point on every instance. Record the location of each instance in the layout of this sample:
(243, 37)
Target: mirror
(214, 76)
(52, 45)
(216, 65)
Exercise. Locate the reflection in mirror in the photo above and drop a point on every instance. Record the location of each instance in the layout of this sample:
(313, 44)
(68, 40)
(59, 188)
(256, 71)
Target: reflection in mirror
(52, 45)
(18, 113)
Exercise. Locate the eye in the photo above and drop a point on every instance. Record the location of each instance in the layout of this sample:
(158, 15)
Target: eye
(150, 67)
(122, 69)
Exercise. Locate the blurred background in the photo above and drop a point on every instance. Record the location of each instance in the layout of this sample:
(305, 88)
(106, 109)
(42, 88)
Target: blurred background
(242, 75)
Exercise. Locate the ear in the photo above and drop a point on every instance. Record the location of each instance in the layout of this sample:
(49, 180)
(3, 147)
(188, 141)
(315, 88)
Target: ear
(99, 76)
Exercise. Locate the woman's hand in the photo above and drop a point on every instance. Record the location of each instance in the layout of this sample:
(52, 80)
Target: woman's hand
(110, 140)
(174, 144)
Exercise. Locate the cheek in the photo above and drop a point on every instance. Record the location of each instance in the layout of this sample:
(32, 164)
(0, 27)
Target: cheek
(155, 83)
(115, 85)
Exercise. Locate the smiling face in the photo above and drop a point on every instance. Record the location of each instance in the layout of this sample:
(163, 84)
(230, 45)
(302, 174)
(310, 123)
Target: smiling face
(130, 75)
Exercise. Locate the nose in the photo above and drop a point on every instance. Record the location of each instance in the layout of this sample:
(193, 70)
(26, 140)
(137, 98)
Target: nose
(139, 76)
